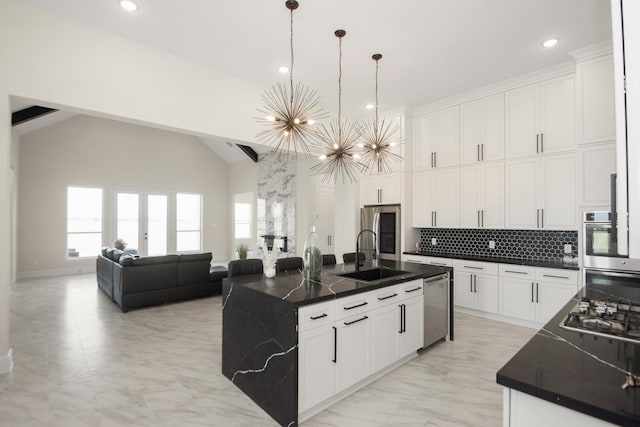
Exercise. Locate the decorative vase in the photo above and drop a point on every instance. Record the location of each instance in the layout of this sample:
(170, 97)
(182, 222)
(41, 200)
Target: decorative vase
(269, 264)
(312, 257)
(269, 272)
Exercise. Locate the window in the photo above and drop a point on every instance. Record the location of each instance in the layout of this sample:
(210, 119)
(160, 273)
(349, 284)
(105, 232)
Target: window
(261, 222)
(84, 222)
(188, 222)
(243, 208)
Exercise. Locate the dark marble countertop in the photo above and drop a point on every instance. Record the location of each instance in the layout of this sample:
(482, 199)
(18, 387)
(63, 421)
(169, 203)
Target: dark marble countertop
(546, 264)
(577, 370)
(291, 286)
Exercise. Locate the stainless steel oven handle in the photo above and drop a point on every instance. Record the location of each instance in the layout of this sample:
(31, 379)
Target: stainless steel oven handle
(613, 273)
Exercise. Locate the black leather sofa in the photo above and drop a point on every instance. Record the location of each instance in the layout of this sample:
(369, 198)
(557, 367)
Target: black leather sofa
(134, 282)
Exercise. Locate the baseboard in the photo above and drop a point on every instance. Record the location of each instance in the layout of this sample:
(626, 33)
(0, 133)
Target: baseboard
(85, 269)
(6, 362)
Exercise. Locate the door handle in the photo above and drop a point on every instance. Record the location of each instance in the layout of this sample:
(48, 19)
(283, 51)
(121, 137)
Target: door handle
(404, 318)
(531, 291)
(478, 152)
(335, 345)
(541, 142)
(482, 151)
(435, 158)
(537, 142)
(537, 218)
(537, 292)
(478, 218)
(471, 283)
(400, 307)
(541, 218)
(475, 283)
(435, 216)
(482, 217)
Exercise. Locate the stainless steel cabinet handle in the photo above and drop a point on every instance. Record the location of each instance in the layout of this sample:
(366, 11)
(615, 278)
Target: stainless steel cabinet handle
(335, 345)
(537, 218)
(356, 321)
(482, 151)
(438, 263)
(478, 218)
(471, 283)
(516, 272)
(435, 159)
(435, 216)
(478, 152)
(555, 277)
(319, 317)
(473, 268)
(475, 283)
(537, 142)
(537, 293)
(482, 217)
(542, 142)
(541, 218)
(531, 291)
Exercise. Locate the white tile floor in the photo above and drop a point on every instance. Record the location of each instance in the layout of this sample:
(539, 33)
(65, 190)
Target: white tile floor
(79, 361)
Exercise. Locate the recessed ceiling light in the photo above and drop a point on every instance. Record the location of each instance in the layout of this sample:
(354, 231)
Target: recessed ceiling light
(283, 69)
(550, 43)
(370, 107)
(128, 5)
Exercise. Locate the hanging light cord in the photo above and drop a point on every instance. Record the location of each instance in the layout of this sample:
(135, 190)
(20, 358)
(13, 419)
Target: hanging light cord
(376, 118)
(291, 46)
(340, 88)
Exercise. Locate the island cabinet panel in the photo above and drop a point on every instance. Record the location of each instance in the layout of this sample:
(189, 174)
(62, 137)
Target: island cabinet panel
(412, 336)
(353, 350)
(317, 366)
(386, 324)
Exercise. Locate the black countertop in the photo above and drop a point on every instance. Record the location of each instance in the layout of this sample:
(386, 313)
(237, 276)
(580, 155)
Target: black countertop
(580, 371)
(291, 286)
(546, 264)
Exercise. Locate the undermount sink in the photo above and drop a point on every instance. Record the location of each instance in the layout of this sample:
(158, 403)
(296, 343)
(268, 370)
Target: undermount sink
(373, 274)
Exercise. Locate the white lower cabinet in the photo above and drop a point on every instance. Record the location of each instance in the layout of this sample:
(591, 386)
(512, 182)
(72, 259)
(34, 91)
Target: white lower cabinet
(535, 294)
(476, 285)
(342, 343)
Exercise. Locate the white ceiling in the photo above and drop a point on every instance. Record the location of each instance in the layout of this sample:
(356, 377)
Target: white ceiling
(431, 49)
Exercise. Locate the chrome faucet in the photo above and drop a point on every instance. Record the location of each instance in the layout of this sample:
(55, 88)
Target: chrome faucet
(374, 256)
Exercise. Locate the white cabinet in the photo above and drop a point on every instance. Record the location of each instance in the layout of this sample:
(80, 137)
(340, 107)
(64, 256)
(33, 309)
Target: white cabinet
(539, 118)
(436, 139)
(353, 350)
(595, 119)
(381, 189)
(385, 323)
(482, 196)
(411, 336)
(316, 366)
(482, 130)
(476, 285)
(596, 164)
(436, 198)
(541, 192)
(535, 294)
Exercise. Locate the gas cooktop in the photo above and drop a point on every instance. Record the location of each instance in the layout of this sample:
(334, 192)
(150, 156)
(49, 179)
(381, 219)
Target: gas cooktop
(619, 320)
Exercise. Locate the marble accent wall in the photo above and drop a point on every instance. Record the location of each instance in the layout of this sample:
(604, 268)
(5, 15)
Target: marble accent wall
(277, 187)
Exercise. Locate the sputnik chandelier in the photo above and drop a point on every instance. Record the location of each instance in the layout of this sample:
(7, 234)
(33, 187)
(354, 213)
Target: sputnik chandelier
(338, 156)
(289, 115)
(379, 138)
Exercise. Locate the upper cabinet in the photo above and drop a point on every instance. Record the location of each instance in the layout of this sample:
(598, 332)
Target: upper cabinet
(539, 118)
(381, 189)
(482, 130)
(595, 121)
(436, 139)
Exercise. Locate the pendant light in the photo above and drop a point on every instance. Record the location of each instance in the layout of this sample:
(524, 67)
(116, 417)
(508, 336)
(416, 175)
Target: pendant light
(289, 114)
(379, 138)
(338, 156)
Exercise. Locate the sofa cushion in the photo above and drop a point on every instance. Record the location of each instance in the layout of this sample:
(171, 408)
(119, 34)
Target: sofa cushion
(104, 251)
(196, 257)
(130, 260)
(116, 254)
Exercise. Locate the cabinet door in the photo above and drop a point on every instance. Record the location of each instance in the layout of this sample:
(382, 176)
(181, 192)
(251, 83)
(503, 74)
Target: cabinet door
(447, 198)
(596, 165)
(517, 298)
(596, 100)
(390, 188)
(470, 132)
(492, 196)
(353, 350)
(557, 129)
(447, 137)
(369, 190)
(412, 338)
(558, 174)
(470, 197)
(551, 297)
(385, 333)
(486, 289)
(492, 140)
(463, 290)
(423, 196)
(316, 370)
(521, 126)
(422, 141)
(521, 194)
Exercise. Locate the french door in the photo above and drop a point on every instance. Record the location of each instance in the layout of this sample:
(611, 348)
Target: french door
(142, 220)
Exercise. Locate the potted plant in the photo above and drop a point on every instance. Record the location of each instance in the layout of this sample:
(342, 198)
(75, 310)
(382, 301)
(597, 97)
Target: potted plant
(242, 251)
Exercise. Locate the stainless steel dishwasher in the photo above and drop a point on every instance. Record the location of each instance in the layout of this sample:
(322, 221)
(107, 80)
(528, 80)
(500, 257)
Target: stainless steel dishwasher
(436, 308)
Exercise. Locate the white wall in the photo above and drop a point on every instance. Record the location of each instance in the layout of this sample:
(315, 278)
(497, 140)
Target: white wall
(95, 152)
(58, 63)
(13, 181)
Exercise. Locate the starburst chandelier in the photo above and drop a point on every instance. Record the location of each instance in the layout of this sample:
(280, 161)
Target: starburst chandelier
(288, 114)
(338, 156)
(379, 137)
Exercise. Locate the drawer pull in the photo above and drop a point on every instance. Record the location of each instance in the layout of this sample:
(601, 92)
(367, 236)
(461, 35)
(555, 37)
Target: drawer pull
(318, 317)
(555, 277)
(516, 272)
(438, 263)
(356, 306)
(473, 268)
(356, 321)
(413, 290)
(387, 297)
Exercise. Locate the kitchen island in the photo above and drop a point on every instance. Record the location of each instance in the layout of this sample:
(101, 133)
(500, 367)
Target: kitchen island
(264, 319)
(569, 377)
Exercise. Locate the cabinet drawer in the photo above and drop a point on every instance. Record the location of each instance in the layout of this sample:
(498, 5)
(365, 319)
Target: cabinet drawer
(315, 315)
(419, 259)
(517, 271)
(442, 262)
(476, 267)
(353, 305)
(557, 275)
(411, 289)
(385, 296)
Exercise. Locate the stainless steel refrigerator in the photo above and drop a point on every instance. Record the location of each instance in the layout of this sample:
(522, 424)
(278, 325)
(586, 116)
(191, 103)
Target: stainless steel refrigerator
(384, 220)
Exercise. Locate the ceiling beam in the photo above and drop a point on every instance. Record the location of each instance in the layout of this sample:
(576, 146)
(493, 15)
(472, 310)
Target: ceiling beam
(249, 152)
(29, 113)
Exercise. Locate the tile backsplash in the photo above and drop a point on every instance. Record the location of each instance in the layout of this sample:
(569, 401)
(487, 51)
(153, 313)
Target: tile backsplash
(534, 245)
